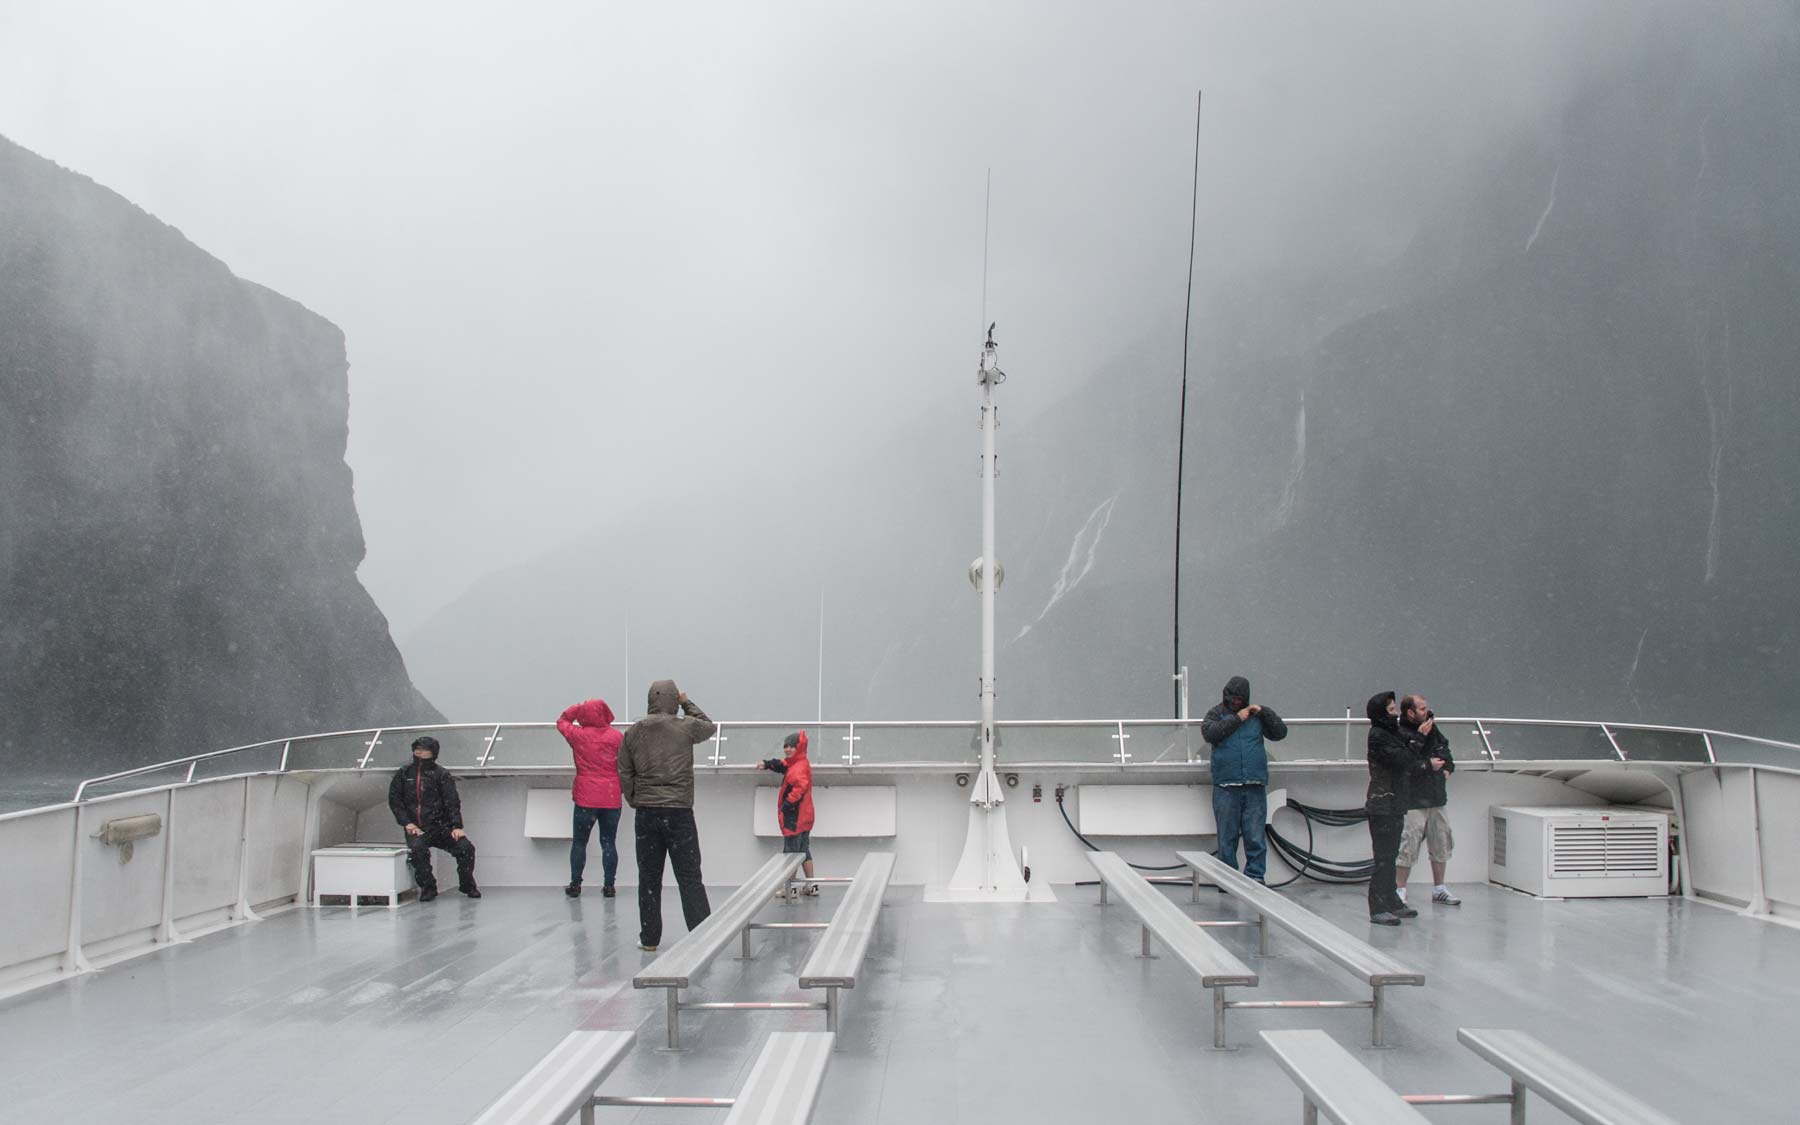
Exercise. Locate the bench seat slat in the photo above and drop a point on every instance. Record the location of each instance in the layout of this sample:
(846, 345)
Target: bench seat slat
(783, 1086)
(677, 966)
(561, 1083)
(835, 959)
(1349, 951)
(1215, 965)
(1344, 1089)
(1551, 1075)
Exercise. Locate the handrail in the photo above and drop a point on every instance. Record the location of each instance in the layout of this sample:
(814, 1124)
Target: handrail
(1117, 731)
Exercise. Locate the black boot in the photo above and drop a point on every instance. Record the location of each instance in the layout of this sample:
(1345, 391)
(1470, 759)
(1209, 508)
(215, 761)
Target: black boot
(573, 890)
(606, 891)
(426, 894)
(471, 890)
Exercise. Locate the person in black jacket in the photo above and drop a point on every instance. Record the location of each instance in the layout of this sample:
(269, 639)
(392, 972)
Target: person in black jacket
(1426, 824)
(1396, 757)
(423, 799)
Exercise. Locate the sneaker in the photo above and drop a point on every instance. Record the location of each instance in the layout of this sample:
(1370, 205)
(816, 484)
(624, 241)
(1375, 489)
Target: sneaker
(646, 948)
(811, 891)
(1384, 919)
(471, 891)
(427, 894)
(1407, 912)
(573, 890)
(1445, 898)
(607, 891)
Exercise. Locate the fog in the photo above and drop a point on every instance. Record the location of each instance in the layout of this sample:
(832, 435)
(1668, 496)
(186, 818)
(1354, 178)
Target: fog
(589, 255)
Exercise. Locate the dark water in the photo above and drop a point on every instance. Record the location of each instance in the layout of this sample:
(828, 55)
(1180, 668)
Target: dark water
(30, 792)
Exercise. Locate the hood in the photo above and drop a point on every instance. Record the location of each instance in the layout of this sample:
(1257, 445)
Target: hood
(600, 712)
(797, 741)
(664, 698)
(1237, 687)
(1378, 710)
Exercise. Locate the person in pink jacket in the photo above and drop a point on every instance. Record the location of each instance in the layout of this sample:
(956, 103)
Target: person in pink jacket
(589, 731)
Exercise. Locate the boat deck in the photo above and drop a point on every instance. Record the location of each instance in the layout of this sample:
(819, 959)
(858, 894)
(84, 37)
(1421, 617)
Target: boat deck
(1036, 1012)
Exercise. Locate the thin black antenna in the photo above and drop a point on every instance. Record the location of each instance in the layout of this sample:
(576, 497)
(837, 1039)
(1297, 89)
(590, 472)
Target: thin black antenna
(987, 203)
(1181, 431)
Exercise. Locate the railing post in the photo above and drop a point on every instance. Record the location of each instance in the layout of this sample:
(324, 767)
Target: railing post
(1486, 743)
(165, 929)
(285, 747)
(73, 960)
(1617, 749)
(190, 773)
(488, 750)
(1707, 738)
(369, 752)
(850, 758)
(242, 909)
(718, 741)
(1347, 721)
(1123, 754)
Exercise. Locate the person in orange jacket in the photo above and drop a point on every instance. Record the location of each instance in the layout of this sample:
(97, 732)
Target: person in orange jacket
(794, 803)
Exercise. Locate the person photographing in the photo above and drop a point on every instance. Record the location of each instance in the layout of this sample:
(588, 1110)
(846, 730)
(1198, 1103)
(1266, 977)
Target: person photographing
(656, 778)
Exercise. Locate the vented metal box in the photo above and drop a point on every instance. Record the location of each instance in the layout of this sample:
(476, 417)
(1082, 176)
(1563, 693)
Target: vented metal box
(1599, 851)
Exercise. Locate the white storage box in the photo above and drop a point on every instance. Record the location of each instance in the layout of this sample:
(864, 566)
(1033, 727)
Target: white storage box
(361, 871)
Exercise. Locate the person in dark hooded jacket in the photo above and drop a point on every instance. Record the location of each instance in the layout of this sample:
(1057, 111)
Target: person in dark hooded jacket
(422, 796)
(656, 776)
(1396, 757)
(1235, 728)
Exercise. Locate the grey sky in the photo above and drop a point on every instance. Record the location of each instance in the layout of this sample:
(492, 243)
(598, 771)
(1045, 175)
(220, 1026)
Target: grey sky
(585, 253)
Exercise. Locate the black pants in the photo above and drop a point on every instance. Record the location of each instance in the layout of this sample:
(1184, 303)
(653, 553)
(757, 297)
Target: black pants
(1384, 834)
(671, 833)
(418, 857)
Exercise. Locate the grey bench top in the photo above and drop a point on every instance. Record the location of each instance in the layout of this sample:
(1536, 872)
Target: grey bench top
(1352, 953)
(783, 1086)
(1331, 1078)
(834, 960)
(558, 1086)
(1550, 1074)
(676, 966)
(1215, 964)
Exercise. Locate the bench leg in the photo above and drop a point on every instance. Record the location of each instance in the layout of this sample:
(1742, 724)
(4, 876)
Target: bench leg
(1309, 1113)
(587, 1113)
(745, 955)
(1102, 892)
(831, 1009)
(1518, 1104)
(1194, 891)
(1262, 934)
(1146, 954)
(674, 1019)
(1376, 1010)
(1218, 1019)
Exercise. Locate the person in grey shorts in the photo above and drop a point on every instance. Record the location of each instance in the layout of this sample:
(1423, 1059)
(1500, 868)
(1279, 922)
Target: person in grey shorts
(1425, 820)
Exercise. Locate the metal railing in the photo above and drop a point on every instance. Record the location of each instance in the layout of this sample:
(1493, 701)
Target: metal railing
(1124, 744)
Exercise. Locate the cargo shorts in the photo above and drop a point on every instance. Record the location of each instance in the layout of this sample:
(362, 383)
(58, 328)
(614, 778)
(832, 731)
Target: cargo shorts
(1430, 827)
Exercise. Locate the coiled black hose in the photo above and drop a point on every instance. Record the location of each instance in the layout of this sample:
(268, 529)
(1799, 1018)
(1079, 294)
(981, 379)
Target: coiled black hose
(1302, 861)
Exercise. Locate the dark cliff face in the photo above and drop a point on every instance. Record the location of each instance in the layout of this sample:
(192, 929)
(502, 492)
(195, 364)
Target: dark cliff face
(178, 538)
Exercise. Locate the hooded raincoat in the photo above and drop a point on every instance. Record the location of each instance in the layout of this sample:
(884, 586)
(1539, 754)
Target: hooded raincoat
(656, 758)
(1239, 756)
(794, 804)
(589, 731)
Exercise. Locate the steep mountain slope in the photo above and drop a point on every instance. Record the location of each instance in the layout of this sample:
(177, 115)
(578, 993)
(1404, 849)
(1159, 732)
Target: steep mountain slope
(178, 540)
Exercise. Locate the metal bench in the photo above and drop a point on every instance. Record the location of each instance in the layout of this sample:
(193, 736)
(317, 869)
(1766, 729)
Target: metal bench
(675, 969)
(1551, 1075)
(834, 961)
(783, 1084)
(1351, 953)
(1332, 1080)
(1216, 966)
(562, 1083)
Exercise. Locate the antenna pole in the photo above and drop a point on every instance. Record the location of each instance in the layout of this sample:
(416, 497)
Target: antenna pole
(1187, 322)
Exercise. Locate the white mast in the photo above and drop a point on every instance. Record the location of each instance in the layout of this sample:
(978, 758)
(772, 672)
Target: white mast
(987, 870)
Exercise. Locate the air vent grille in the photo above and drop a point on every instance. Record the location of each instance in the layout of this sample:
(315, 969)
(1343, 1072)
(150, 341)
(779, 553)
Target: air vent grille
(1604, 850)
(1499, 838)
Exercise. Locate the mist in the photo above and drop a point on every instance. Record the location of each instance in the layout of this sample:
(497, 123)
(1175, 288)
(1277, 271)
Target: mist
(601, 271)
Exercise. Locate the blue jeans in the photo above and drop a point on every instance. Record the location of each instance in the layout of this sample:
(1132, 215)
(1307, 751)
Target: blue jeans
(1241, 811)
(585, 819)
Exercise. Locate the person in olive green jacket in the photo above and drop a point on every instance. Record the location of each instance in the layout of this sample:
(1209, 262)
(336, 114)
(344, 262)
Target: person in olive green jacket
(656, 778)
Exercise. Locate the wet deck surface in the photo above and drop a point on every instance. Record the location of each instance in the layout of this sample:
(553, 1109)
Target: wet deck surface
(1036, 1013)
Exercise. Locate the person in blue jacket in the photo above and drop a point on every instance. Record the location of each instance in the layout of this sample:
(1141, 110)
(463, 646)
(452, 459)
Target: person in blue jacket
(1235, 728)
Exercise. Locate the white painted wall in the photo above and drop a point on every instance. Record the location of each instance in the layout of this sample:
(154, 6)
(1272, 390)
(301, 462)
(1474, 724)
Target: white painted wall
(1778, 811)
(40, 849)
(1717, 833)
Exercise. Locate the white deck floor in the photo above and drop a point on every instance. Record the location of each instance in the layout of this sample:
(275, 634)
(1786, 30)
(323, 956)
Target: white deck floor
(1035, 1013)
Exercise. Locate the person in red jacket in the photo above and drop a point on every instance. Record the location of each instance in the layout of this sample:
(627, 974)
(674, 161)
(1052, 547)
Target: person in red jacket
(595, 744)
(794, 803)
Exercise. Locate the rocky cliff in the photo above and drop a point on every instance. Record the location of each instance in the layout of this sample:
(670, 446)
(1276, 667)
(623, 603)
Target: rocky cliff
(178, 538)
